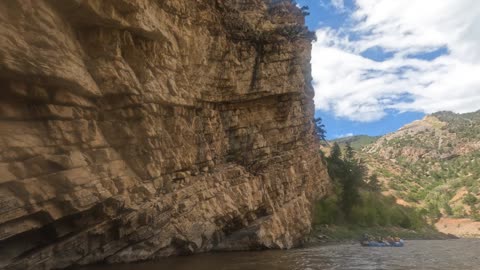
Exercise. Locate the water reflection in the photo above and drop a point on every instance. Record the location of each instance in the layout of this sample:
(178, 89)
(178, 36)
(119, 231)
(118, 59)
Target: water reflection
(451, 254)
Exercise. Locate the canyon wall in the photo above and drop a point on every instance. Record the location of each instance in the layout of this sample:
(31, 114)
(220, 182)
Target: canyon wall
(132, 130)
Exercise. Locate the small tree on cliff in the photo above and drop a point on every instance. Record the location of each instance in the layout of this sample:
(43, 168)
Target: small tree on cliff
(320, 129)
(305, 10)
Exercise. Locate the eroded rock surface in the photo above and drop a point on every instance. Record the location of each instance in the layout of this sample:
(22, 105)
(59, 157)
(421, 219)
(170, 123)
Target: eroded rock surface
(131, 130)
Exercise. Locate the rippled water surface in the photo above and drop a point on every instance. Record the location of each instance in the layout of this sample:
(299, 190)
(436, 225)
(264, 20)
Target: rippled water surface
(420, 254)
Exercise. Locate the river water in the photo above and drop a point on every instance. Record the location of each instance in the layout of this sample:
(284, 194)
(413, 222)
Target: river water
(417, 254)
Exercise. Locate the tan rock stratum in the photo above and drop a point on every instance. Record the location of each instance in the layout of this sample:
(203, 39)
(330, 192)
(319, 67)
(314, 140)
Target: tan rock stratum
(131, 130)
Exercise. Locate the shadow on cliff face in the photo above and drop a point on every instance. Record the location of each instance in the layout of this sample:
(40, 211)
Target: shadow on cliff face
(29, 242)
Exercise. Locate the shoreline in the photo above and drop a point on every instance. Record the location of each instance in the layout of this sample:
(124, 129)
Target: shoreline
(334, 234)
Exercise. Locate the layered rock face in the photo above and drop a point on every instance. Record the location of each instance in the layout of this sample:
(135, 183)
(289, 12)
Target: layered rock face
(131, 130)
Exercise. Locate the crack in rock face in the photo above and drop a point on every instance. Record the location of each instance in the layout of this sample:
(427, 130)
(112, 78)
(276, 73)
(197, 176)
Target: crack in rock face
(132, 130)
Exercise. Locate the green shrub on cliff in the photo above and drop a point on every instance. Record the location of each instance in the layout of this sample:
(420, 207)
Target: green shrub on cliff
(470, 200)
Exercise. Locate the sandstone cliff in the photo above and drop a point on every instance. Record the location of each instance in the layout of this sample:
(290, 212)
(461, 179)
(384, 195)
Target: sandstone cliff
(131, 130)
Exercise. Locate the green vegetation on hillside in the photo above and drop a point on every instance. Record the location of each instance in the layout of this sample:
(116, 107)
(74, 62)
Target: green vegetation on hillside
(358, 203)
(373, 209)
(433, 164)
(465, 125)
(356, 142)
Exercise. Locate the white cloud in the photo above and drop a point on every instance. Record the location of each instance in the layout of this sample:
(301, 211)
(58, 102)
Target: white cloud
(338, 4)
(343, 135)
(361, 89)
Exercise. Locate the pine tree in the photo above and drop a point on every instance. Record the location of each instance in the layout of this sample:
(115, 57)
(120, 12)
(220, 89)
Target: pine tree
(349, 153)
(335, 163)
(320, 129)
(336, 153)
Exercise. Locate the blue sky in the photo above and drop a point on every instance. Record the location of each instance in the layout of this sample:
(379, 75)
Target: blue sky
(380, 64)
(341, 127)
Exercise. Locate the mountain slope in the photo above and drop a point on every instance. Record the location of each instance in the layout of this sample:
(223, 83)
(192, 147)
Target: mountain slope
(432, 164)
(357, 142)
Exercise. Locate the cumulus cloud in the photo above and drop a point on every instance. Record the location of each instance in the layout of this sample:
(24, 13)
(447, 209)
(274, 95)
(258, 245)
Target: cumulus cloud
(429, 62)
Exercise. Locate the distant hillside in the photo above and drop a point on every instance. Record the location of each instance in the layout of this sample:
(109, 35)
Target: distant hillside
(432, 164)
(357, 142)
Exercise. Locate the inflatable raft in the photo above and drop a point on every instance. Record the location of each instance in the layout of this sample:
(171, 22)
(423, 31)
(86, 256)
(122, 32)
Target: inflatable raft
(400, 243)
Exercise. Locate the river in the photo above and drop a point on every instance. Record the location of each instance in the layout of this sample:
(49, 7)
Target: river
(417, 254)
